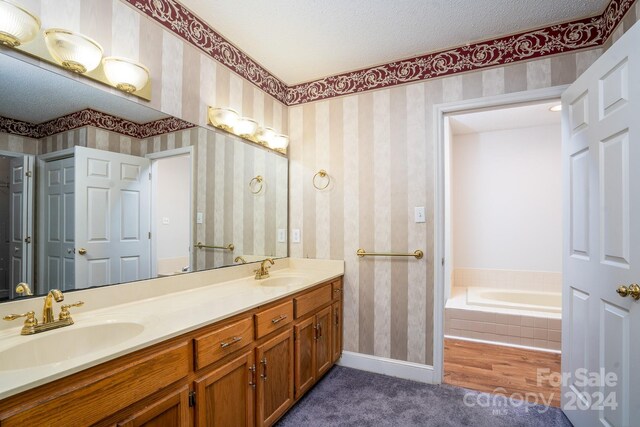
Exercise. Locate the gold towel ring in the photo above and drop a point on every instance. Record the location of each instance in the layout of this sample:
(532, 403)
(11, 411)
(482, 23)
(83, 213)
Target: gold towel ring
(322, 174)
(257, 180)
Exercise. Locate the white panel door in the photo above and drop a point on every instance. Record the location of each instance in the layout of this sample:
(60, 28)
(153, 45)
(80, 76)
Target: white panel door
(601, 154)
(57, 260)
(112, 215)
(21, 221)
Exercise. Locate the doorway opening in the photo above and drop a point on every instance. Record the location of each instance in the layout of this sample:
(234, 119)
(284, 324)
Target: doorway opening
(503, 246)
(172, 225)
(16, 222)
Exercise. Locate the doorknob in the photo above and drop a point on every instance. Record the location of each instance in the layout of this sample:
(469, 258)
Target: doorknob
(633, 290)
(82, 251)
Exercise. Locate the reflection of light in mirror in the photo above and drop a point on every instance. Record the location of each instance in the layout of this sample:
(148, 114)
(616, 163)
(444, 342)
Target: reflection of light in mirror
(245, 127)
(279, 142)
(73, 51)
(125, 74)
(17, 25)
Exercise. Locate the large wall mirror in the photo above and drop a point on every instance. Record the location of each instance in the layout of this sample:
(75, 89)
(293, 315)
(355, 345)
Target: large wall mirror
(98, 190)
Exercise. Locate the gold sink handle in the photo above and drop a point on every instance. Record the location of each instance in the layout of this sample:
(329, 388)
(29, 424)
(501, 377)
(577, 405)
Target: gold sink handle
(64, 310)
(631, 290)
(30, 323)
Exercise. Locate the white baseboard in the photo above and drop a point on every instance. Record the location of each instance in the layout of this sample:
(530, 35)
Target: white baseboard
(391, 367)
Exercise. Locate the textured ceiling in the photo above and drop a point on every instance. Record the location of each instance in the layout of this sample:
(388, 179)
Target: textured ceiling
(522, 116)
(35, 95)
(303, 40)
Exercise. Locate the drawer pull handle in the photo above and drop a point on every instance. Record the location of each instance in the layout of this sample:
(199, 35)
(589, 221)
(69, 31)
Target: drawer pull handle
(228, 343)
(278, 319)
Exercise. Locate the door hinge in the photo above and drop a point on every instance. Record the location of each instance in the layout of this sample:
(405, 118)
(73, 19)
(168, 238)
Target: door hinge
(149, 176)
(443, 262)
(192, 399)
(149, 234)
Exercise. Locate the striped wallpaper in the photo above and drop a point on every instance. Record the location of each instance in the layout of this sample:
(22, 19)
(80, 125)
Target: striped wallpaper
(184, 79)
(378, 148)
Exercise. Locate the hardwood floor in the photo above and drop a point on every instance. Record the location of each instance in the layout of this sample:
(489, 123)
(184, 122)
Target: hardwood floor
(486, 367)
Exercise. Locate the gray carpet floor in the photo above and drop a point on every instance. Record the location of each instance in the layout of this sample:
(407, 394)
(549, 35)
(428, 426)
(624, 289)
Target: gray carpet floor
(348, 397)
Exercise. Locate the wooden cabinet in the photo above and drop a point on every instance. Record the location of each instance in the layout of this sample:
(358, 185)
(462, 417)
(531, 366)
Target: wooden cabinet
(275, 381)
(223, 341)
(305, 360)
(337, 330)
(324, 329)
(172, 410)
(225, 397)
(244, 371)
(314, 352)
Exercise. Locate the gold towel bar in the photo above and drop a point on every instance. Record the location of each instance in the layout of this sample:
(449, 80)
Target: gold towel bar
(229, 247)
(362, 253)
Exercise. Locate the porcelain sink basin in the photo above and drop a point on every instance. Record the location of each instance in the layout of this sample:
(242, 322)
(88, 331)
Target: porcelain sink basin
(51, 347)
(283, 280)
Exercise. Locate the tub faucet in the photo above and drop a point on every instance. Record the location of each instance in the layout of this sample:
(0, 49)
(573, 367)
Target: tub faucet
(47, 310)
(263, 271)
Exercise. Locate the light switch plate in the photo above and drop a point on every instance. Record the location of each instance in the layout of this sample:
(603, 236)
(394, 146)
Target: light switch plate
(295, 235)
(199, 218)
(165, 220)
(282, 235)
(419, 214)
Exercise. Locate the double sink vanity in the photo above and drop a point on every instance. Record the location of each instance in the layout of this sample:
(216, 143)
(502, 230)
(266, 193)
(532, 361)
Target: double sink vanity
(233, 346)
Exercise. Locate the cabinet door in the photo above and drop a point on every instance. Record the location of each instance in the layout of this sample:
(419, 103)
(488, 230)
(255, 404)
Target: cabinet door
(225, 397)
(337, 330)
(324, 333)
(305, 358)
(275, 382)
(173, 410)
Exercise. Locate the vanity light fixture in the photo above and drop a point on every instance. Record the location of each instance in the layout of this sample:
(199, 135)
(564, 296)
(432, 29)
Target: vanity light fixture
(223, 118)
(265, 136)
(17, 25)
(279, 142)
(125, 74)
(73, 51)
(245, 128)
(556, 108)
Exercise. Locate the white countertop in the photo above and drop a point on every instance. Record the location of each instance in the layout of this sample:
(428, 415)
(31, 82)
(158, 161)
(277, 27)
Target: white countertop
(166, 307)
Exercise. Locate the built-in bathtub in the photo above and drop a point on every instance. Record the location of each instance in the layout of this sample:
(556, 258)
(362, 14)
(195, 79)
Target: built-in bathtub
(505, 316)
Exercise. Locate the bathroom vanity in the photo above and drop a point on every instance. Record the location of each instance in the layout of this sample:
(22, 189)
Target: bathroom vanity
(226, 350)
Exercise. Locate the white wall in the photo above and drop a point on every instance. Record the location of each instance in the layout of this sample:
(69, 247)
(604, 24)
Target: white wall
(506, 193)
(173, 202)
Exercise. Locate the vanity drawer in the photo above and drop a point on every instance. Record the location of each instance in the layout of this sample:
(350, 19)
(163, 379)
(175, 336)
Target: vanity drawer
(99, 392)
(336, 289)
(221, 342)
(308, 303)
(273, 319)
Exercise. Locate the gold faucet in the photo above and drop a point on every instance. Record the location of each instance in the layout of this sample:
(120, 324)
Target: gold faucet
(23, 289)
(263, 271)
(32, 326)
(240, 259)
(47, 310)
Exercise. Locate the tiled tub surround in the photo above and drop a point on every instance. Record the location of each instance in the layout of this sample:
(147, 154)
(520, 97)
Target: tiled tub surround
(537, 329)
(167, 307)
(541, 281)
